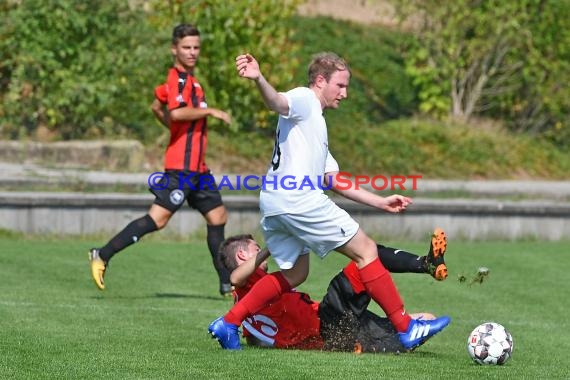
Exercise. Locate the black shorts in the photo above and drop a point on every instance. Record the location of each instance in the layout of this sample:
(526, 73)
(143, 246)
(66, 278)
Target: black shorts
(345, 321)
(198, 189)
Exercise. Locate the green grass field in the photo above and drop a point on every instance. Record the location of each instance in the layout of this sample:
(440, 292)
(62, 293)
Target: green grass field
(151, 321)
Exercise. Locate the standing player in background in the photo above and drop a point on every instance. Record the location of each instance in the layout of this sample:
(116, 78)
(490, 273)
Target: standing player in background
(297, 221)
(185, 169)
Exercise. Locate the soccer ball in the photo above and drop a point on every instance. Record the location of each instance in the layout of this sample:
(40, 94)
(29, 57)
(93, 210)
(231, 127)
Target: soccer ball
(490, 343)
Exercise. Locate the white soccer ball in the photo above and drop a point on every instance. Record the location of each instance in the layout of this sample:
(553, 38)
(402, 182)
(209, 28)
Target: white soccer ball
(490, 343)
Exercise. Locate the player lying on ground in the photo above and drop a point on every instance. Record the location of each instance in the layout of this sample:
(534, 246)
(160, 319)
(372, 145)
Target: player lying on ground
(341, 321)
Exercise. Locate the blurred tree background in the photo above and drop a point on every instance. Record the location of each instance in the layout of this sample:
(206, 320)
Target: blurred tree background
(507, 60)
(86, 70)
(77, 69)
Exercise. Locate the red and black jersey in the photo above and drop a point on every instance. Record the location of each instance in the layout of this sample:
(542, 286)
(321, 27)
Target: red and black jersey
(187, 147)
(290, 322)
(161, 93)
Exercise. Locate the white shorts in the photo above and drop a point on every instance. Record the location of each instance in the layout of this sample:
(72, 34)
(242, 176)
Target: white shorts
(320, 230)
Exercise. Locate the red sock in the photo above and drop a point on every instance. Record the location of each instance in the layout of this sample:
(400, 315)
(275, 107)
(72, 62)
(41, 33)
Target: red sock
(267, 289)
(381, 288)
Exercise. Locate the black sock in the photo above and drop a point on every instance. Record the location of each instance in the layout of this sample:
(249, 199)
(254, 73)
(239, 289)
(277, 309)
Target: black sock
(215, 237)
(129, 235)
(399, 261)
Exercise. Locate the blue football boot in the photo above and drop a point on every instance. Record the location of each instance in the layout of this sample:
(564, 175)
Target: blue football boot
(421, 330)
(226, 333)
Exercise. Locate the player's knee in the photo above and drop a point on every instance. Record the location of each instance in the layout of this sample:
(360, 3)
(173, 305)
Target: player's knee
(217, 216)
(161, 222)
(367, 253)
(160, 226)
(223, 218)
(159, 215)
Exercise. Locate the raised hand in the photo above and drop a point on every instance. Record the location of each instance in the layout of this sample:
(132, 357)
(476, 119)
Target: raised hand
(247, 66)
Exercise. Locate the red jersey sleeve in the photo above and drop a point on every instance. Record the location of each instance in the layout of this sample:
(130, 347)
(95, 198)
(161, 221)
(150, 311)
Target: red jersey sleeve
(161, 93)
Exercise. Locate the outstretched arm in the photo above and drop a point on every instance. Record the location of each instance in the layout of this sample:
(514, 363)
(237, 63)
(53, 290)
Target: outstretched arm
(393, 203)
(189, 114)
(240, 275)
(248, 67)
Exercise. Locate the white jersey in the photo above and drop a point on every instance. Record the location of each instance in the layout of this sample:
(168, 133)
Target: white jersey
(295, 180)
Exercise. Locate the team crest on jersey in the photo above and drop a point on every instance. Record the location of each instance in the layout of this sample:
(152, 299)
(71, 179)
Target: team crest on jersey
(177, 197)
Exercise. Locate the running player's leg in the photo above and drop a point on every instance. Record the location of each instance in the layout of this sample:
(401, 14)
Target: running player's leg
(168, 199)
(99, 258)
(382, 290)
(376, 279)
(206, 198)
(215, 227)
(400, 261)
(433, 263)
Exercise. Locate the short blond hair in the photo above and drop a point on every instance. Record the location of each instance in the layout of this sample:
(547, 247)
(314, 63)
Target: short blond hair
(326, 64)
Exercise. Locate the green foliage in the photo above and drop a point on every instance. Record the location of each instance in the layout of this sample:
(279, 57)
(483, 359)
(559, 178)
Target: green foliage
(504, 59)
(433, 94)
(366, 140)
(76, 68)
(379, 89)
(460, 48)
(443, 150)
(88, 69)
(541, 103)
(230, 28)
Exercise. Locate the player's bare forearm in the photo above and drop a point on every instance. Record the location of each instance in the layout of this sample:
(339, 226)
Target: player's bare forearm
(188, 114)
(161, 117)
(164, 120)
(262, 256)
(393, 203)
(157, 109)
(191, 114)
(221, 115)
(240, 275)
(272, 99)
(247, 67)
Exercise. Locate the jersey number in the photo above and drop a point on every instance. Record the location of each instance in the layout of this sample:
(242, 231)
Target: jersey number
(276, 153)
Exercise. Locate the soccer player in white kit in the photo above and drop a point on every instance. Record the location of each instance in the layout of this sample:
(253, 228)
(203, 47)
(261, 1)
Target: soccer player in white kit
(299, 218)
